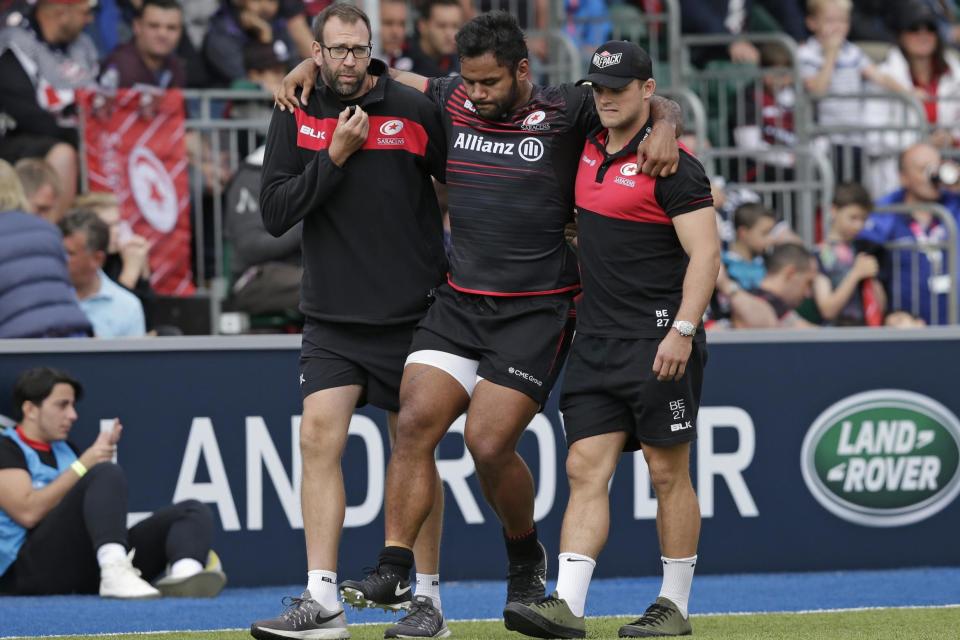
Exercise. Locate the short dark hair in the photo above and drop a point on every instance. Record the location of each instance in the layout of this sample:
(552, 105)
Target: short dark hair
(749, 214)
(344, 12)
(36, 385)
(495, 32)
(426, 8)
(775, 54)
(784, 255)
(159, 4)
(89, 223)
(848, 193)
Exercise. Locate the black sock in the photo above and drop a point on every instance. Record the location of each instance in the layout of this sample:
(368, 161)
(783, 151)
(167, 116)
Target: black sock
(397, 560)
(524, 547)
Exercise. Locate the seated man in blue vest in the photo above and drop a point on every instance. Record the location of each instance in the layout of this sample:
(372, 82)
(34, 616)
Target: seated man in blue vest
(63, 514)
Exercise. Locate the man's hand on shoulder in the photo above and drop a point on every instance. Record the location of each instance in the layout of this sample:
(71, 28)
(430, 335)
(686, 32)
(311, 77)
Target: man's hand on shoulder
(659, 152)
(303, 75)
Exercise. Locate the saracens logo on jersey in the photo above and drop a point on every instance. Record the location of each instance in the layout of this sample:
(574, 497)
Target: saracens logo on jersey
(389, 131)
(606, 59)
(530, 149)
(535, 122)
(629, 169)
(391, 127)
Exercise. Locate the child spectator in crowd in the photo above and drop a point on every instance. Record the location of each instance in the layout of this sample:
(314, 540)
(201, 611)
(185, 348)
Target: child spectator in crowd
(743, 260)
(768, 121)
(838, 289)
(831, 65)
(43, 188)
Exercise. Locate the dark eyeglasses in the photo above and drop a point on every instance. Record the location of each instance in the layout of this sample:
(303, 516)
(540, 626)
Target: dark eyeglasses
(340, 53)
(922, 26)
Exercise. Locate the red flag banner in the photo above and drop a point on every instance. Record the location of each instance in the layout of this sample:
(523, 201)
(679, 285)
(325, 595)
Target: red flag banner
(134, 147)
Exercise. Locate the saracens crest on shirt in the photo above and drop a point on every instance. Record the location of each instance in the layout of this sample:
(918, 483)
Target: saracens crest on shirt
(606, 59)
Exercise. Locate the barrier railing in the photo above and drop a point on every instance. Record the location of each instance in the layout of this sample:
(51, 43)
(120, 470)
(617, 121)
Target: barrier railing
(940, 258)
(797, 200)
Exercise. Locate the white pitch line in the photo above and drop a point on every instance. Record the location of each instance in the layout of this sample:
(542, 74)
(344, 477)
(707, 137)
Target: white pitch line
(627, 615)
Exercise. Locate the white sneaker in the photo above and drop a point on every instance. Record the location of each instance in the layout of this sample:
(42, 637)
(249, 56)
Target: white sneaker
(120, 579)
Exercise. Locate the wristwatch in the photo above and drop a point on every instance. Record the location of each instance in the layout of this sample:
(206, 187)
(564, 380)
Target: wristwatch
(684, 328)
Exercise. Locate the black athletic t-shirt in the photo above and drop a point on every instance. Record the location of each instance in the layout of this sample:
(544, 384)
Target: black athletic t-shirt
(510, 189)
(11, 455)
(631, 260)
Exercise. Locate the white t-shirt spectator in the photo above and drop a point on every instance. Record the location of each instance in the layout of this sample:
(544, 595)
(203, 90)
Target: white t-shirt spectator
(847, 79)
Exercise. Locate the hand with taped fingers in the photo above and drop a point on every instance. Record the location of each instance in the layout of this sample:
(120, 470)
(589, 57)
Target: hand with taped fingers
(303, 75)
(672, 356)
(660, 153)
(353, 125)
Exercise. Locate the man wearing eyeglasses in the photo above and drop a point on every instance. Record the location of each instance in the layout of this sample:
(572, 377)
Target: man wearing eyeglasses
(355, 166)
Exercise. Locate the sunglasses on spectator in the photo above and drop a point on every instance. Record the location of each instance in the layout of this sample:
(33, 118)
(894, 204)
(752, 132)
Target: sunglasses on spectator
(340, 53)
(922, 26)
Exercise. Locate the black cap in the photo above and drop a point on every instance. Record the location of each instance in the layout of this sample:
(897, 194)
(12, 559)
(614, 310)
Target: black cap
(913, 13)
(616, 63)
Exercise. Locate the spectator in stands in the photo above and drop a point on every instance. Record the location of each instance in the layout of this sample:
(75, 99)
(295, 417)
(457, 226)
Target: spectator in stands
(743, 260)
(266, 271)
(128, 254)
(433, 50)
(295, 13)
(832, 65)
(263, 71)
(791, 270)
(393, 34)
(903, 320)
(113, 311)
(37, 299)
(921, 60)
(844, 270)
(237, 23)
(731, 17)
(919, 165)
(43, 188)
(768, 118)
(43, 60)
(63, 513)
(150, 57)
(588, 24)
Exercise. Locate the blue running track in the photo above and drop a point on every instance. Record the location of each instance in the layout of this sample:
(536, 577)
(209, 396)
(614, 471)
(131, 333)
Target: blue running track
(236, 608)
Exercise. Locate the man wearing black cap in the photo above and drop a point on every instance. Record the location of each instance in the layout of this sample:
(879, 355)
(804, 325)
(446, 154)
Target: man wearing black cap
(649, 257)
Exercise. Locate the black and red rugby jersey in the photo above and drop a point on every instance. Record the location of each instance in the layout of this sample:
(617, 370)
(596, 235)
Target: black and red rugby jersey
(510, 189)
(372, 230)
(631, 260)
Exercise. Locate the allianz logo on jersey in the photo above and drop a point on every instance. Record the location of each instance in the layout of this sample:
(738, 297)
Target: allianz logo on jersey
(530, 149)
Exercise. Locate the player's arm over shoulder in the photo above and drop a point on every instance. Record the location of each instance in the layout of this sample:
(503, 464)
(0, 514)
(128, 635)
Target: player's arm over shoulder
(686, 190)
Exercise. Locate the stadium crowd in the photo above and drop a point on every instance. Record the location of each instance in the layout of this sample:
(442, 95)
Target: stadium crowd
(847, 274)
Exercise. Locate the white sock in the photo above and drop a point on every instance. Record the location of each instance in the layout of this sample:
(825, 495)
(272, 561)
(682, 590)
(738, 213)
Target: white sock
(322, 586)
(573, 580)
(428, 584)
(185, 567)
(111, 552)
(677, 578)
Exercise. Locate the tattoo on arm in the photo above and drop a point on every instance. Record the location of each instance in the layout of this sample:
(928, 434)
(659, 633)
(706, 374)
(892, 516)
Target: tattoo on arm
(666, 110)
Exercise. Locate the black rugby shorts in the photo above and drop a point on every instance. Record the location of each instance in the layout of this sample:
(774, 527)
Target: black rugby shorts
(339, 354)
(610, 386)
(519, 342)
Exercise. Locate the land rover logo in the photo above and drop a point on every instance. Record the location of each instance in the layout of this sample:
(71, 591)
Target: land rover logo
(883, 458)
